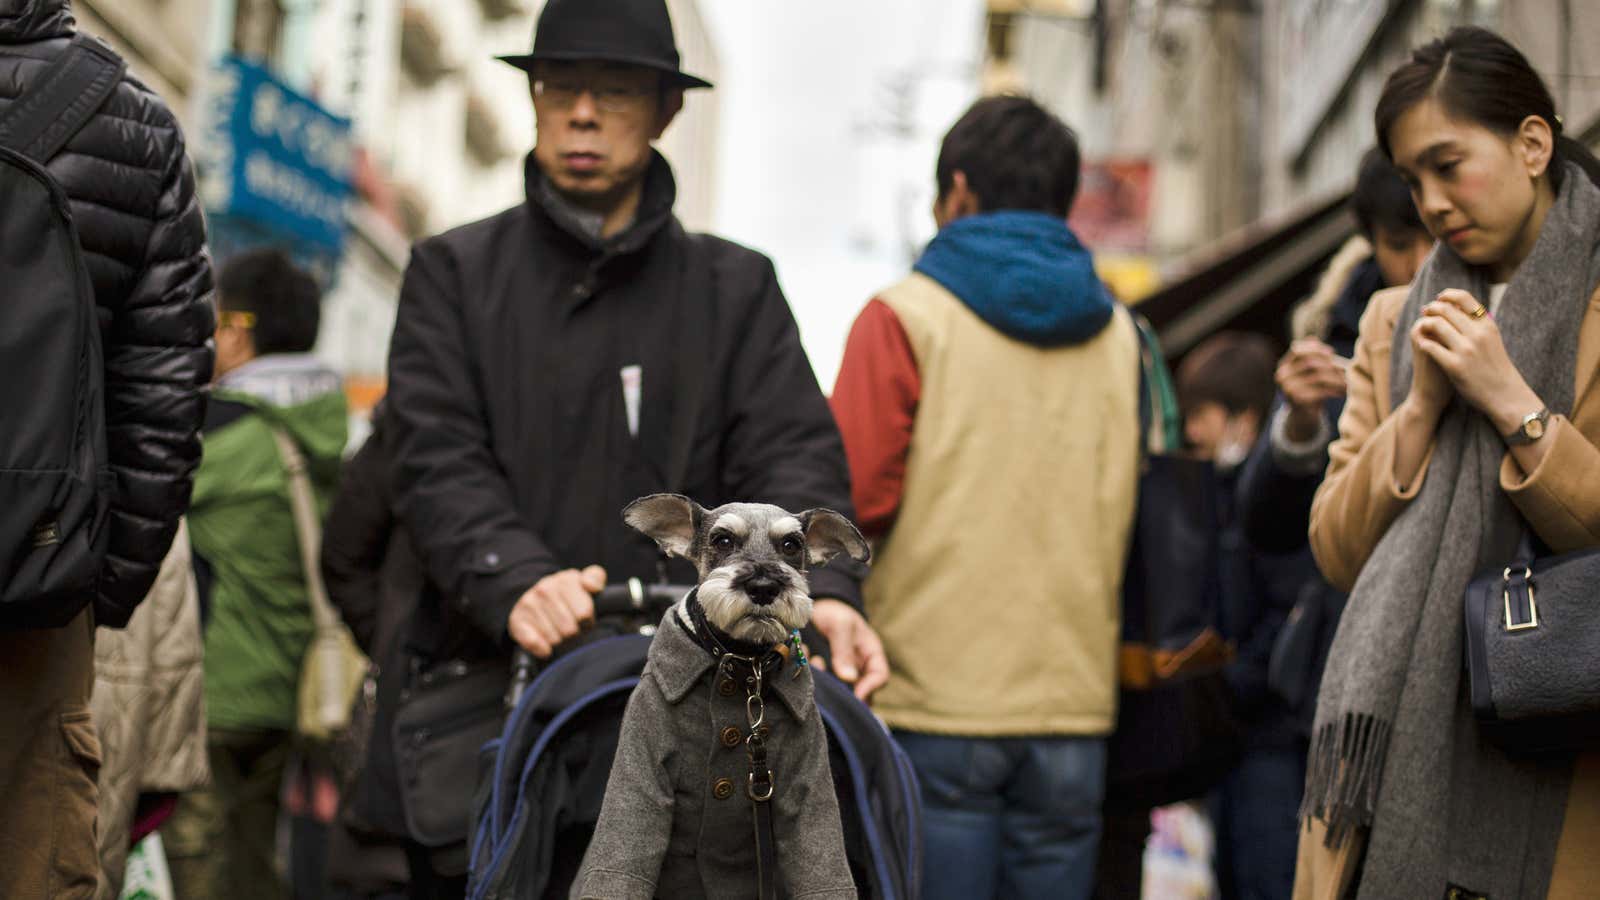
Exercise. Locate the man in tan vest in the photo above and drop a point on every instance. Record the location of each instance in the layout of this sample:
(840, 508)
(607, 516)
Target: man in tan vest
(989, 407)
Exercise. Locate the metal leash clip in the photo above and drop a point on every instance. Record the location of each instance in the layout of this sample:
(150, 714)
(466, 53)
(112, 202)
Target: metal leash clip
(760, 784)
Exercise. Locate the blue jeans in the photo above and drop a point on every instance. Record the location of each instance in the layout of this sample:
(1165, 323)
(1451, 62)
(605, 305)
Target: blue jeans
(1008, 817)
(1257, 814)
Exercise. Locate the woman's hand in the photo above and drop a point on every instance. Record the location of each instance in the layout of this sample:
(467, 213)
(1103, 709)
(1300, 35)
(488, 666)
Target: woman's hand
(1462, 340)
(1431, 388)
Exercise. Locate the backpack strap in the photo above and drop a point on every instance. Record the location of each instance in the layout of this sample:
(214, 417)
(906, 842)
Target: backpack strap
(74, 87)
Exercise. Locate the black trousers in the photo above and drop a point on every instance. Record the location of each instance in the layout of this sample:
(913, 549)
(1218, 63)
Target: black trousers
(1120, 873)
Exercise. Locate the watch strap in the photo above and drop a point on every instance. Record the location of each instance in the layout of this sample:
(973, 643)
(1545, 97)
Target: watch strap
(1525, 433)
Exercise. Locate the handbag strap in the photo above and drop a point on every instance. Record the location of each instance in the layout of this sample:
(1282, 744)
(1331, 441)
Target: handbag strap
(73, 88)
(307, 527)
(1155, 392)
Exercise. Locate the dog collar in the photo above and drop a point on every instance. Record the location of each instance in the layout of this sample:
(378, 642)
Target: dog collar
(720, 644)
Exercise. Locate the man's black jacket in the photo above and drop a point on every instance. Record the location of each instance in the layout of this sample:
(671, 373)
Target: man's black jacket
(132, 197)
(513, 454)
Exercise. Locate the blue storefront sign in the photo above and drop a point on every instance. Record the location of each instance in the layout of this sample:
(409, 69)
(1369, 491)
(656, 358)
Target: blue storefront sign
(274, 163)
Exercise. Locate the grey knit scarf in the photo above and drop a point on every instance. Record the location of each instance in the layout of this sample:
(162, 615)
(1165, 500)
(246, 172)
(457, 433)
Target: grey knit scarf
(1395, 748)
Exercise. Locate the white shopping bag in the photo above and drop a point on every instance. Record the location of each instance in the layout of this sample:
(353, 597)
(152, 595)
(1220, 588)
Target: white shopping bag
(147, 874)
(1177, 858)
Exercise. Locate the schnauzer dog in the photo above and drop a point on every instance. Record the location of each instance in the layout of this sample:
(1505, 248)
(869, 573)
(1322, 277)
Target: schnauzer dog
(702, 755)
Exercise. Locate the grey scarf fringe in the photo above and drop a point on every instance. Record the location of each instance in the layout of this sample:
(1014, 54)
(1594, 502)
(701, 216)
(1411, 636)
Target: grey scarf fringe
(1342, 776)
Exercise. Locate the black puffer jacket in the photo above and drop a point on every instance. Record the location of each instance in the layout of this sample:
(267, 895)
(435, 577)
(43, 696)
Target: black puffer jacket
(132, 196)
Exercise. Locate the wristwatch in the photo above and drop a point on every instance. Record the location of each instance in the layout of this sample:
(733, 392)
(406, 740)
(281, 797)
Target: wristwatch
(1533, 428)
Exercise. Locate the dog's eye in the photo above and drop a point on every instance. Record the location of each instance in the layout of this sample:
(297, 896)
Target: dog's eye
(722, 541)
(792, 545)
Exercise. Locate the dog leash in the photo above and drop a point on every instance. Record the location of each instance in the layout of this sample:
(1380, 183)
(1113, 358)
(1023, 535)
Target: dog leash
(760, 785)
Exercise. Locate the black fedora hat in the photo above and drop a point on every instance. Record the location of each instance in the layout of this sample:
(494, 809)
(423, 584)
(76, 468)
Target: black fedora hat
(637, 32)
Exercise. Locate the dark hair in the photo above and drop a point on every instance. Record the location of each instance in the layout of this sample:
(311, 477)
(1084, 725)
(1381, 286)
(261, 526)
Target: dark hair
(1233, 369)
(1015, 154)
(285, 299)
(1381, 198)
(1479, 76)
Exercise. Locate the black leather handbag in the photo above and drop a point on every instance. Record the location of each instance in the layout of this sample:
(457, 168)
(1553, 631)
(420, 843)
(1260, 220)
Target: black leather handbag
(1533, 650)
(1177, 733)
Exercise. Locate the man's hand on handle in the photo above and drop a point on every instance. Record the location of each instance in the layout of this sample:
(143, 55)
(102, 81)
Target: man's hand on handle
(858, 656)
(555, 609)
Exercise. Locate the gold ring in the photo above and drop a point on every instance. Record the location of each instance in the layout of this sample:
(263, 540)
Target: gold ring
(1480, 312)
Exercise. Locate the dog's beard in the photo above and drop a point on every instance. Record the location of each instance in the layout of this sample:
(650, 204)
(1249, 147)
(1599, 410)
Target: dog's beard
(731, 611)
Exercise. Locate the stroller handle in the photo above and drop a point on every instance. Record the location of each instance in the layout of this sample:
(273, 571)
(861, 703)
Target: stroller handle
(629, 597)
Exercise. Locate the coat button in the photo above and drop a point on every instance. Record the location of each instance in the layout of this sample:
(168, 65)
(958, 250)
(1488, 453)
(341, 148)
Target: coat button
(731, 737)
(723, 789)
(725, 687)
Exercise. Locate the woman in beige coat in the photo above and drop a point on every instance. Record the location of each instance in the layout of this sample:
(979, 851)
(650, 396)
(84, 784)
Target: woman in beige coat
(1472, 413)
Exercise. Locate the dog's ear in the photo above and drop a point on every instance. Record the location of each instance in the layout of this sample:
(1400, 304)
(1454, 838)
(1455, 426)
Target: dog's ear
(671, 520)
(829, 534)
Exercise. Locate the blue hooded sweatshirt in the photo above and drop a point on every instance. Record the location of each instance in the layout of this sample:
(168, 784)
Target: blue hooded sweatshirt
(1023, 272)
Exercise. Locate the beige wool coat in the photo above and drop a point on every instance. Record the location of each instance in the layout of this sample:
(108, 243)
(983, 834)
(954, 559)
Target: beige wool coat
(1358, 501)
(149, 706)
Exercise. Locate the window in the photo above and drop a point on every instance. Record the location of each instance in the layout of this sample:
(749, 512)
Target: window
(257, 29)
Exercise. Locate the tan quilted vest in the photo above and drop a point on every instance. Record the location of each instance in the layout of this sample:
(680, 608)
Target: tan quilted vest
(997, 591)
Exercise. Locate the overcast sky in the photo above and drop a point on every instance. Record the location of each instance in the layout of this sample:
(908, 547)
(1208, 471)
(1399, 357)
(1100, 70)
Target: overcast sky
(831, 112)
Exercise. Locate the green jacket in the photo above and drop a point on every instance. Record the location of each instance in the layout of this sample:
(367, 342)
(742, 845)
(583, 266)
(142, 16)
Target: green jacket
(241, 524)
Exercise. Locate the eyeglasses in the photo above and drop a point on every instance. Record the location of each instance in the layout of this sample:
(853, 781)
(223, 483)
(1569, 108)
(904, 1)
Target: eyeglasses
(609, 96)
(236, 319)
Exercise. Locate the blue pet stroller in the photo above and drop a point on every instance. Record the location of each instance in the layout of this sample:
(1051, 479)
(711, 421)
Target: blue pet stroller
(544, 778)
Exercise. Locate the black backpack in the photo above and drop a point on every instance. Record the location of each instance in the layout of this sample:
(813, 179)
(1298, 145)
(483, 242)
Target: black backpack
(54, 482)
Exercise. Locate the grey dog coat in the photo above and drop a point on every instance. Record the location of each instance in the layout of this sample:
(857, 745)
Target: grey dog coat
(667, 831)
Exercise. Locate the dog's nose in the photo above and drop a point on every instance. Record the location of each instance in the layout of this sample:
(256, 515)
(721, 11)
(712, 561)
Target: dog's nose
(762, 590)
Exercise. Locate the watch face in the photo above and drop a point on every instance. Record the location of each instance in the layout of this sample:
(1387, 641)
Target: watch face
(1533, 428)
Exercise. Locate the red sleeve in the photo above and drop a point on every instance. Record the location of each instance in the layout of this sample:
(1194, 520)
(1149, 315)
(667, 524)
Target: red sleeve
(875, 403)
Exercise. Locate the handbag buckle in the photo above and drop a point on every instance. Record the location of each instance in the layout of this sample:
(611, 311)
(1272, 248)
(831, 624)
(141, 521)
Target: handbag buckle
(1533, 608)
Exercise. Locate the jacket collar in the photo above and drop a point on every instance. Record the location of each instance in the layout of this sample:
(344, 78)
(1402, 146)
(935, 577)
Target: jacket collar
(678, 663)
(282, 379)
(34, 20)
(655, 210)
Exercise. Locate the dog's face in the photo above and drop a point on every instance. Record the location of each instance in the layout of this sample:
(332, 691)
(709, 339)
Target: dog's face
(752, 558)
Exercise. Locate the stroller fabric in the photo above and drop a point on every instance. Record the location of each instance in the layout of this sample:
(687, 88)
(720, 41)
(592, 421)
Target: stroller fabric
(542, 781)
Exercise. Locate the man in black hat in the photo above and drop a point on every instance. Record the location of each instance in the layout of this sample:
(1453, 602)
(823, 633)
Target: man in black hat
(579, 350)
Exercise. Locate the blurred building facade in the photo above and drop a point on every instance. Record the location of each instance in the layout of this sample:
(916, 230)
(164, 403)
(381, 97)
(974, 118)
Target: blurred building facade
(1167, 88)
(1241, 112)
(1321, 124)
(437, 130)
(163, 41)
